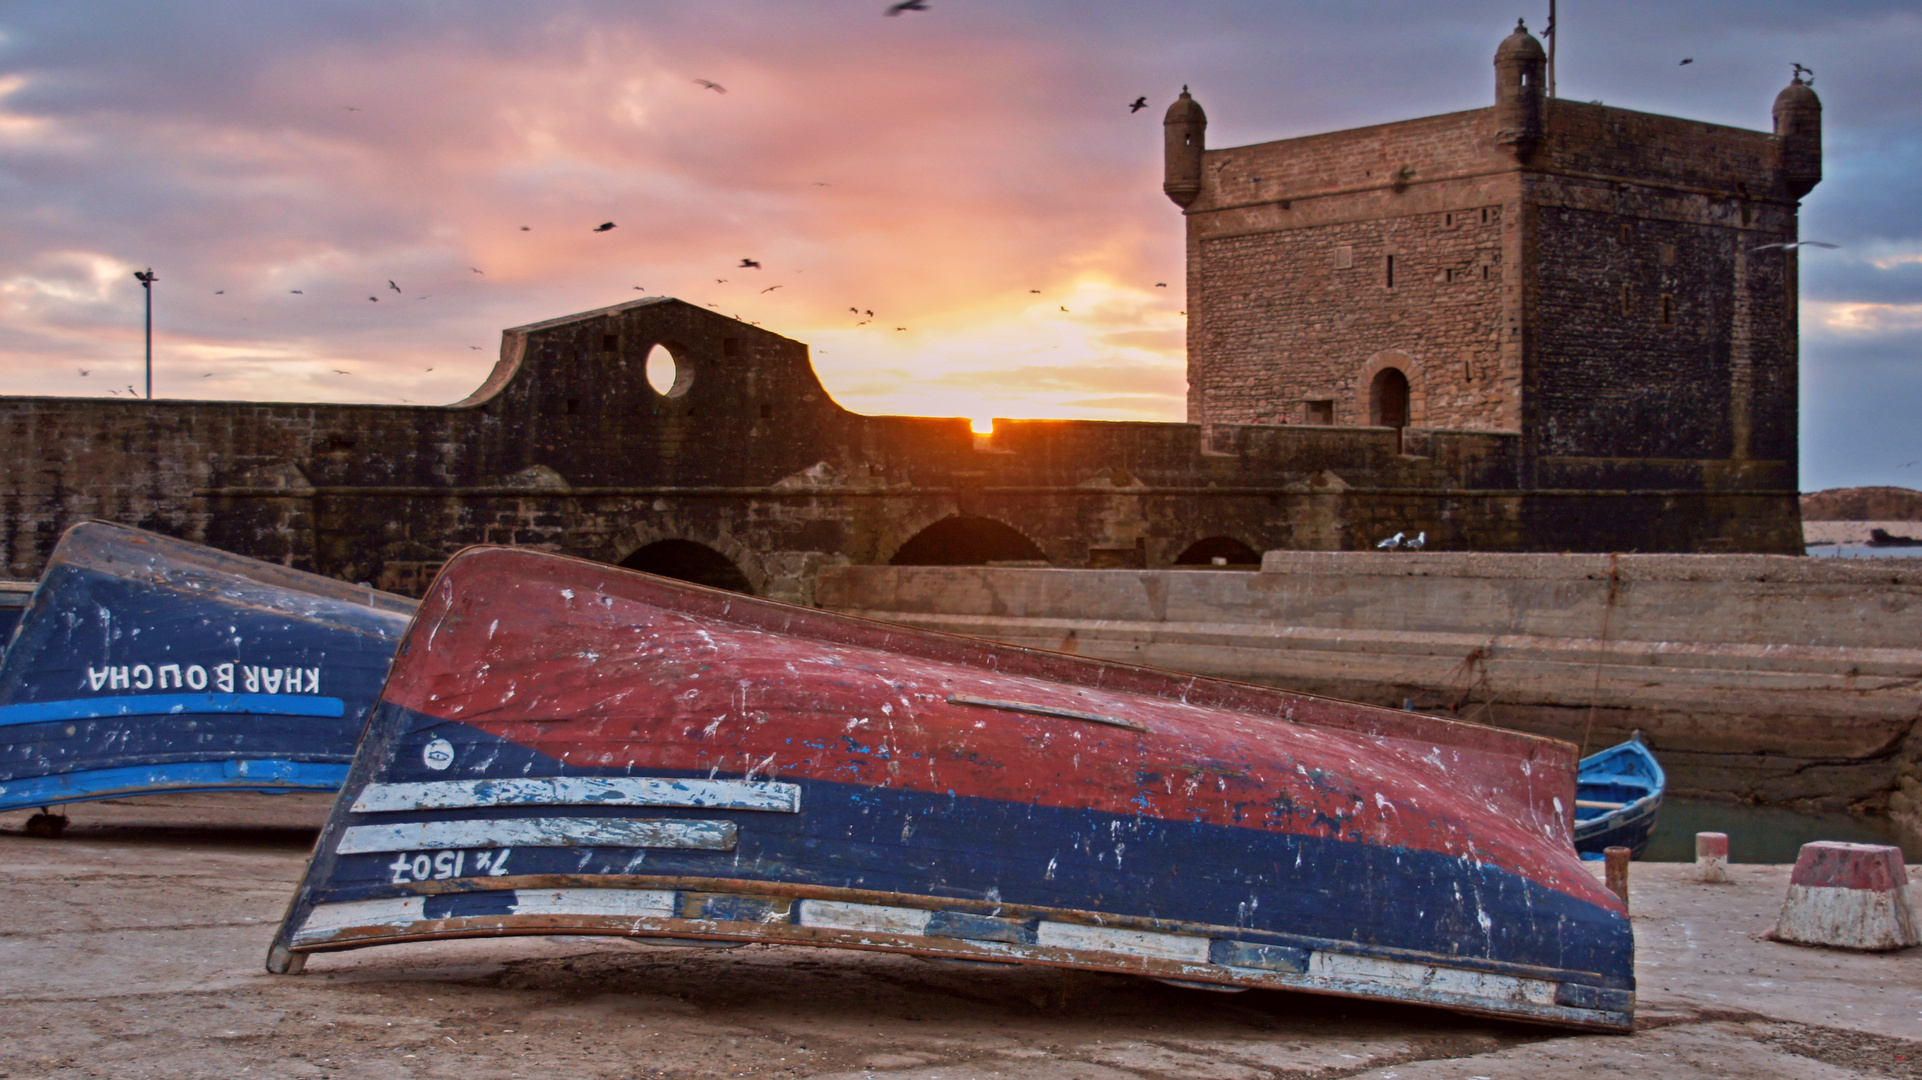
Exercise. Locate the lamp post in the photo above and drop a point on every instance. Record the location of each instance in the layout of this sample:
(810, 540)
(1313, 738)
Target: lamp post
(146, 278)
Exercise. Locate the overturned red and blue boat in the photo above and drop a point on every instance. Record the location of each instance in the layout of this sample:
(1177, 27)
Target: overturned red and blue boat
(145, 664)
(567, 747)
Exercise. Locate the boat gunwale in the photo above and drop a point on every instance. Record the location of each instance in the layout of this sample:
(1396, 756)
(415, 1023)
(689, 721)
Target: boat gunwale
(928, 902)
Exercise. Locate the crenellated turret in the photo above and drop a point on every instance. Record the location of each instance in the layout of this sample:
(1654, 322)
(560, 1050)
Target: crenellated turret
(1183, 130)
(1798, 136)
(1521, 93)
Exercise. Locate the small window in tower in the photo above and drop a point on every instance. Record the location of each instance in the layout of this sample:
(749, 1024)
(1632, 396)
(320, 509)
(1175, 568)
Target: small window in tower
(1448, 221)
(1625, 298)
(572, 406)
(1390, 277)
(610, 342)
(1344, 258)
(1319, 412)
(1668, 311)
(1468, 370)
(767, 412)
(1484, 215)
(1448, 275)
(1626, 237)
(1484, 273)
(1525, 75)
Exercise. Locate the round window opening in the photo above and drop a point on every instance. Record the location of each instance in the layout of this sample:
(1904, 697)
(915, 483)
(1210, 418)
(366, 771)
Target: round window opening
(667, 375)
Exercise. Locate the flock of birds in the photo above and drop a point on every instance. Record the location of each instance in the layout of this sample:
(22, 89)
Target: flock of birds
(1802, 74)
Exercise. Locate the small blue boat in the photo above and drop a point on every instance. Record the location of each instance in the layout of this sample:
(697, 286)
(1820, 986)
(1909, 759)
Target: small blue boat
(146, 664)
(1618, 792)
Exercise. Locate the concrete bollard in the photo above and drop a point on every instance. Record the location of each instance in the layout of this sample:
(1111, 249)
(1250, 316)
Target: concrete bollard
(1711, 858)
(1615, 864)
(1849, 896)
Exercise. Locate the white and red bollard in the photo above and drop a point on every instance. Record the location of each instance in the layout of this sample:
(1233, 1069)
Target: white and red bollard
(1849, 896)
(1711, 858)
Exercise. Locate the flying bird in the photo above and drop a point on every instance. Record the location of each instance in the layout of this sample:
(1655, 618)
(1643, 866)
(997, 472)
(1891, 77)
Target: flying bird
(1058, 305)
(209, 375)
(605, 226)
(869, 314)
(900, 328)
(1036, 292)
(351, 108)
(770, 288)
(473, 346)
(854, 311)
(640, 288)
(375, 299)
(1138, 104)
(822, 183)
(1686, 61)
(1799, 243)
(1801, 71)
(526, 229)
(294, 292)
(710, 84)
(749, 264)
(84, 372)
(337, 371)
(220, 292)
(720, 281)
(132, 392)
(477, 270)
(907, 5)
(391, 285)
(1161, 284)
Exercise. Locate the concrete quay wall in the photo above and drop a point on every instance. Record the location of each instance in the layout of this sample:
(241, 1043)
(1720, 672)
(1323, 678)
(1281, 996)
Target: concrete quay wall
(1758, 677)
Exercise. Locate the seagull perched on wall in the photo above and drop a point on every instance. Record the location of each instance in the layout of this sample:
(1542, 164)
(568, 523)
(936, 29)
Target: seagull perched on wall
(1420, 541)
(1799, 243)
(1392, 542)
(1138, 104)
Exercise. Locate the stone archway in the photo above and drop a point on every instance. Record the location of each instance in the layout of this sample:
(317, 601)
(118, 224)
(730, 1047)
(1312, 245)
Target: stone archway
(685, 560)
(1404, 387)
(630, 542)
(959, 540)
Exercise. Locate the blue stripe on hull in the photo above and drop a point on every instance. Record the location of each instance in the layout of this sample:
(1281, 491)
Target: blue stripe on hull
(264, 775)
(53, 748)
(38, 712)
(1276, 886)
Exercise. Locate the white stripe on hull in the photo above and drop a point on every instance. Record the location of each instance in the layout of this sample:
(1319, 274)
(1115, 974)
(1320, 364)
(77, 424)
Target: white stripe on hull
(875, 918)
(620, 903)
(581, 791)
(1107, 939)
(1402, 975)
(540, 832)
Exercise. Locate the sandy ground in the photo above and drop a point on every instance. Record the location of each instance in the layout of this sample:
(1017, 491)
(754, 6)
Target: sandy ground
(132, 947)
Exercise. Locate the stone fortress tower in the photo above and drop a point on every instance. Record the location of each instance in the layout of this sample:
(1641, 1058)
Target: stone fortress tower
(1594, 279)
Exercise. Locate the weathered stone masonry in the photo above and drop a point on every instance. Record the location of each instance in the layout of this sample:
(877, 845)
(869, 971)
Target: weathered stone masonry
(1592, 279)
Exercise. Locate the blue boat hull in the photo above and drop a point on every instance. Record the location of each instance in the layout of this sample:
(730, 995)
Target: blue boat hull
(1625, 774)
(145, 664)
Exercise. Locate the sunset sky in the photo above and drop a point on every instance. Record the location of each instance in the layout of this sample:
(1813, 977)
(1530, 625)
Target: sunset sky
(934, 167)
